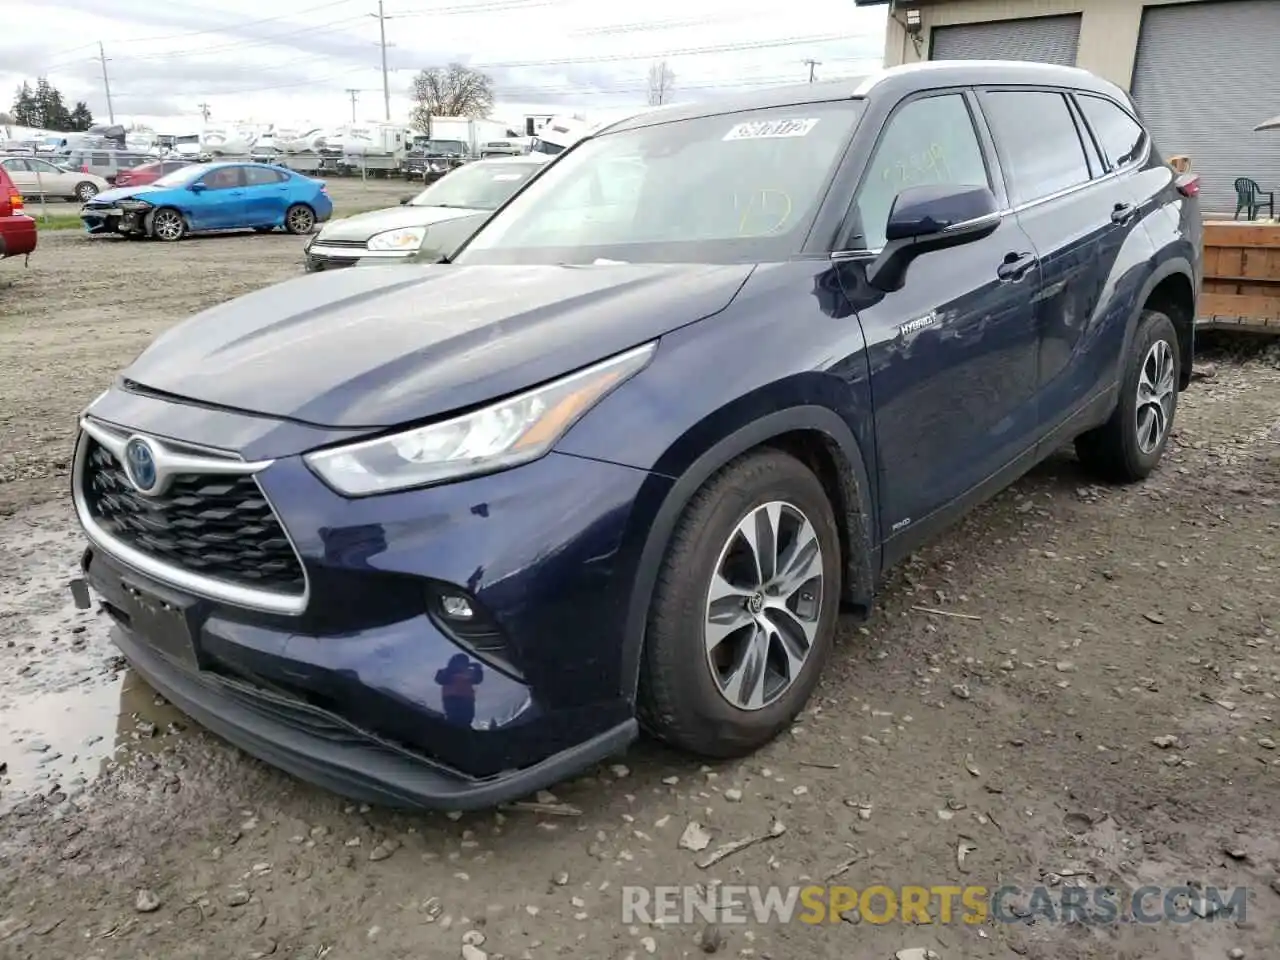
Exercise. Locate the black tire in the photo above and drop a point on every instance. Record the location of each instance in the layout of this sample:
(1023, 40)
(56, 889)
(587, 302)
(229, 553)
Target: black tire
(86, 191)
(1115, 451)
(160, 228)
(299, 219)
(679, 698)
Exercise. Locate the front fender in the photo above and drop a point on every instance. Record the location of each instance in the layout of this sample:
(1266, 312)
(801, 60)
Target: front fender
(662, 501)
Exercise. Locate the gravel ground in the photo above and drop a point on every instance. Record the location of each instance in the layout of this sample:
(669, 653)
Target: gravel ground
(1103, 711)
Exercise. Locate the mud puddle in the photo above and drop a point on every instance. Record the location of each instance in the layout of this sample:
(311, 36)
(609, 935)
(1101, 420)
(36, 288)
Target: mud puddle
(70, 703)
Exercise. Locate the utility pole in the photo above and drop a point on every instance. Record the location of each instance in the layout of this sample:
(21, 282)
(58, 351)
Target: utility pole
(354, 94)
(811, 64)
(102, 58)
(204, 111)
(382, 34)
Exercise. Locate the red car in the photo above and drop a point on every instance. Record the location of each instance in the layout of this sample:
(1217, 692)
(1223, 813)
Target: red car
(17, 230)
(148, 172)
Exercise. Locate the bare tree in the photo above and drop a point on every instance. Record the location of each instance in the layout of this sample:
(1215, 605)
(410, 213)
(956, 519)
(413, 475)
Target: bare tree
(662, 79)
(453, 91)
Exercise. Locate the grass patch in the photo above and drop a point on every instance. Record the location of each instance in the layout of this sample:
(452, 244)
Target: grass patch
(71, 221)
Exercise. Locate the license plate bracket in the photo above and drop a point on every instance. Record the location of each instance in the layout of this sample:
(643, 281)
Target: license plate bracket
(163, 621)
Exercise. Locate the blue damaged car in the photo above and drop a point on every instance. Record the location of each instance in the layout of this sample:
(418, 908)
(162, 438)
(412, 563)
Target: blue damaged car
(211, 196)
(441, 535)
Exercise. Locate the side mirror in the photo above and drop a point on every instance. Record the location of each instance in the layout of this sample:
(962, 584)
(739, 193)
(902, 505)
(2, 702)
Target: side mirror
(404, 200)
(198, 188)
(928, 218)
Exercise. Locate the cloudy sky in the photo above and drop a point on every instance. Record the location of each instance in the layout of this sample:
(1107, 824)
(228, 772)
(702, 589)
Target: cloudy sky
(294, 60)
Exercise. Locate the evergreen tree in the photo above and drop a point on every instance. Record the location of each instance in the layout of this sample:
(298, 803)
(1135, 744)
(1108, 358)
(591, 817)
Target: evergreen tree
(81, 119)
(25, 111)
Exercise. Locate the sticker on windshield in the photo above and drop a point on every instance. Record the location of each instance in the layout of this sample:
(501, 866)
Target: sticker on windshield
(762, 129)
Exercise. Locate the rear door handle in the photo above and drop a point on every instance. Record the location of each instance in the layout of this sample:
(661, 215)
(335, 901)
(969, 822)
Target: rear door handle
(1015, 266)
(1123, 213)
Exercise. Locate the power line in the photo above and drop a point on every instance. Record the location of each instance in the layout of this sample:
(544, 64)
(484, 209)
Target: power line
(382, 35)
(102, 56)
(659, 55)
(238, 25)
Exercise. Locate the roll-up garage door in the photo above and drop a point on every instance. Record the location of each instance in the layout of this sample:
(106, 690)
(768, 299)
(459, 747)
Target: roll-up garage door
(1206, 74)
(1042, 39)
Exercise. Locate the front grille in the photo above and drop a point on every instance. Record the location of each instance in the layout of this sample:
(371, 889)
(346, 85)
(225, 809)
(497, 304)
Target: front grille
(217, 526)
(344, 244)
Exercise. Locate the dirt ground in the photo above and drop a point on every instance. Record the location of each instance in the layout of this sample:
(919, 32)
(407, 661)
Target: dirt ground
(1091, 701)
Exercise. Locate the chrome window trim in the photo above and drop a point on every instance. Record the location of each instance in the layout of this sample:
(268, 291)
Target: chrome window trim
(1014, 211)
(212, 462)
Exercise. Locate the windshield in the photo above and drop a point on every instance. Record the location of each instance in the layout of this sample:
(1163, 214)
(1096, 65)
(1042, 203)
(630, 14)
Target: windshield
(184, 175)
(728, 188)
(477, 186)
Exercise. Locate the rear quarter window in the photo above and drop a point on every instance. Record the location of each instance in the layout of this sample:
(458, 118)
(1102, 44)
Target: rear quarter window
(1120, 136)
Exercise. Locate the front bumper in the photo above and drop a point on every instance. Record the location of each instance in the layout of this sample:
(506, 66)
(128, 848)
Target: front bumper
(347, 693)
(322, 748)
(321, 256)
(98, 220)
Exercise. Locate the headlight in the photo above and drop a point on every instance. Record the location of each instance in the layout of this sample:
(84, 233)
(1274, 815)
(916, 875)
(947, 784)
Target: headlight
(510, 432)
(437, 167)
(407, 239)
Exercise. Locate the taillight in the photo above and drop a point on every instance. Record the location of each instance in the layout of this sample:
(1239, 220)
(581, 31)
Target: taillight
(16, 205)
(1188, 184)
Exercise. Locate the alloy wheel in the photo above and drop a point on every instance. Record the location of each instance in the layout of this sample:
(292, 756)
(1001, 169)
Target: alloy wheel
(1156, 389)
(167, 225)
(301, 220)
(86, 192)
(763, 605)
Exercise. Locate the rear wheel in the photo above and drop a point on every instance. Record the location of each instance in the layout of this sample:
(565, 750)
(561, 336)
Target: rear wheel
(300, 219)
(744, 612)
(168, 224)
(1128, 446)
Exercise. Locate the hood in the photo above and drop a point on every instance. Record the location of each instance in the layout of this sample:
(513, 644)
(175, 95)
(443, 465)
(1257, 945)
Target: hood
(364, 225)
(377, 348)
(126, 193)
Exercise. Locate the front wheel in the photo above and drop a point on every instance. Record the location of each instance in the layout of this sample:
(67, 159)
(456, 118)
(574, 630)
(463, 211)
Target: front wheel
(300, 219)
(86, 191)
(744, 612)
(167, 224)
(1128, 446)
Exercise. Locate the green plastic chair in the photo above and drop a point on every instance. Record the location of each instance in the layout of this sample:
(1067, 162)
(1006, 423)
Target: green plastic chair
(1251, 200)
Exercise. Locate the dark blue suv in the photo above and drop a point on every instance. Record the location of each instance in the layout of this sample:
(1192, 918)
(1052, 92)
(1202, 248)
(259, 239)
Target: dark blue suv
(441, 535)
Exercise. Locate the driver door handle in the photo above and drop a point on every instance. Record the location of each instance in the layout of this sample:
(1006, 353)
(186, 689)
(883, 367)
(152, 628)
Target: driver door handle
(1123, 213)
(1015, 266)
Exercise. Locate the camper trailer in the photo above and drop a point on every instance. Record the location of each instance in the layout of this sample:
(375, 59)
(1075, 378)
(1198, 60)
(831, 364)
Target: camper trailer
(377, 148)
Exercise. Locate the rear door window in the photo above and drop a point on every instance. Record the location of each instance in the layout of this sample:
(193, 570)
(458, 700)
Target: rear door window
(262, 177)
(1039, 142)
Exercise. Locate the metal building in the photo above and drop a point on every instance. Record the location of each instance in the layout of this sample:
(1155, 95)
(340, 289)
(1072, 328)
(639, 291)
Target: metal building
(1203, 73)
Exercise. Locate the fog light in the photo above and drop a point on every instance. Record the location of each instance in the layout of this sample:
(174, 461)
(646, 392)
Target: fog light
(456, 608)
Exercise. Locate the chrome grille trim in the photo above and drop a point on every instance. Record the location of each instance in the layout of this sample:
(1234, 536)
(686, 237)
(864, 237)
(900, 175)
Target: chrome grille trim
(186, 458)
